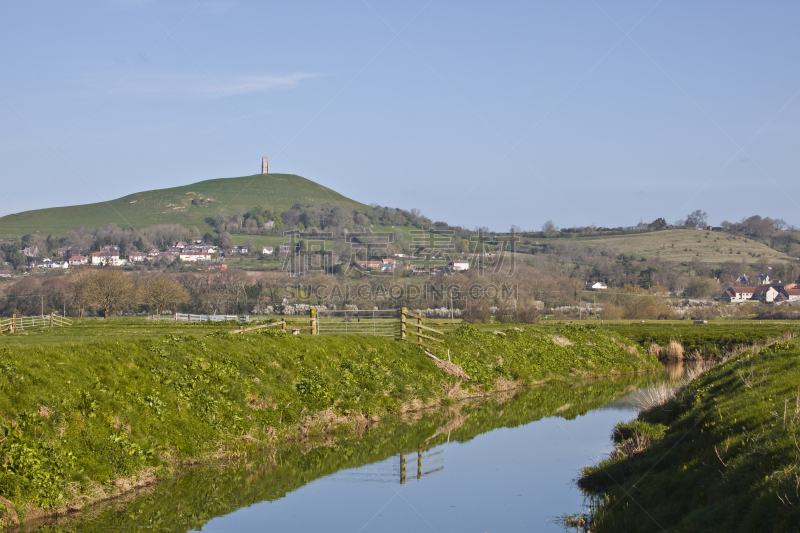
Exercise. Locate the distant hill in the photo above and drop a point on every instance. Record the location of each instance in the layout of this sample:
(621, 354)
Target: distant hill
(174, 205)
(677, 245)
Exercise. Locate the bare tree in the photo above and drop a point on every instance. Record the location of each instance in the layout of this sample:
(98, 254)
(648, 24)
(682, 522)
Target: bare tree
(80, 290)
(110, 290)
(161, 293)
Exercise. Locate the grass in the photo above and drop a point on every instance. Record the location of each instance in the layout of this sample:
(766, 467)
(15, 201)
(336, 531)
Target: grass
(189, 501)
(173, 205)
(92, 410)
(677, 246)
(722, 455)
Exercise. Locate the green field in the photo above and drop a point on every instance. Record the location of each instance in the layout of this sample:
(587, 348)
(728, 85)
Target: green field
(677, 246)
(722, 455)
(174, 205)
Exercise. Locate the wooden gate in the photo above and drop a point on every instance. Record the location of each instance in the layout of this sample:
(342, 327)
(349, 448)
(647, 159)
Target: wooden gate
(380, 322)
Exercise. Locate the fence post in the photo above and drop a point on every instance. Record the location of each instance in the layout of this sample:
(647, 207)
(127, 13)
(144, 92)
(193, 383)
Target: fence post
(176, 316)
(51, 319)
(283, 326)
(314, 322)
(403, 323)
(13, 323)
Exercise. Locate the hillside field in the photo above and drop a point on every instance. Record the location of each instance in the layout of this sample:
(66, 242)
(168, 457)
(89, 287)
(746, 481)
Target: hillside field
(677, 246)
(174, 205)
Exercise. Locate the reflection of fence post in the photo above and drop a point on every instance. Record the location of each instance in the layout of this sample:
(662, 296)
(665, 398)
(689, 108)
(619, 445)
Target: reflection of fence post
(419, 463)
(403, 323)
(402, 469)
(314, 322)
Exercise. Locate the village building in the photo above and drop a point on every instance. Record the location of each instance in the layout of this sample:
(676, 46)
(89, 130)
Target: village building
(193, 257)
(30, 251)
(738, 294)
(179, 244)
(284, 249)
(267, 250)
(239, 250)
(106, 258)
(137, 257)
(458, 265)
(65, 252)
(765, 293)
(5, 273)
(217, 266)
(77, 260)
(788, 294)
(598, 286)
(58, 264)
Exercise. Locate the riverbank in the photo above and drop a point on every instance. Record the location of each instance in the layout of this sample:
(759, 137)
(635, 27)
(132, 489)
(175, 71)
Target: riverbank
(721, 455)
(87, 421)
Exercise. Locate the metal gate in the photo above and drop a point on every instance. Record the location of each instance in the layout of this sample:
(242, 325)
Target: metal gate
(381, 322)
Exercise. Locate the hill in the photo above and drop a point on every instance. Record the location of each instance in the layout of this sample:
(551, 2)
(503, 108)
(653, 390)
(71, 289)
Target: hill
(677, 245)
(174, 205)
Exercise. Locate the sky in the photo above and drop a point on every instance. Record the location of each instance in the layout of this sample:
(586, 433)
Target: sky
(479, 114)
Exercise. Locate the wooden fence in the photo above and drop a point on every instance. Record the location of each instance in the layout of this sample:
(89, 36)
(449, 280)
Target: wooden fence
(21, 323)
(413, 330)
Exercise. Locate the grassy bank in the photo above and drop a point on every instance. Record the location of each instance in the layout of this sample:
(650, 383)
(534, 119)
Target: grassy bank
(189, 501)
(86, 420)
(722, 455)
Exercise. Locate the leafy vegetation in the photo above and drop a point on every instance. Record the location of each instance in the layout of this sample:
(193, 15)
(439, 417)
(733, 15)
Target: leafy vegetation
(87, 419)
(722, 455)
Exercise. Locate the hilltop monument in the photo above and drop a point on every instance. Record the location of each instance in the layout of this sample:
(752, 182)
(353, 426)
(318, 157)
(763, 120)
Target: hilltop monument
(265, 165)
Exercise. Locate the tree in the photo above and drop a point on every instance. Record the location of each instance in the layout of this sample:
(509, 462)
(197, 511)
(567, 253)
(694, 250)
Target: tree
(110, 290)
(81, 290)
(160, 293)
(549, 228)
(697, 219)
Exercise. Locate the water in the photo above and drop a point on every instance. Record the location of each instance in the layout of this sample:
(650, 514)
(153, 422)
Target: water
(503, 464)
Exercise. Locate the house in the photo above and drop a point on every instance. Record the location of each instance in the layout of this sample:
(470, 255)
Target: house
(786, 294)
(65, 252)
(5, 273)
(198, 241)
(137, 257)
(58, 264)
(598, 286)
(744, 279)
(217, 266)
(738, 294)
(239, 250)
(267, 250)
(284, 249)
(174, 249)
(165, 256)
(154, 252)
(110, 248)
(765, 293)
(106, 258)
(458, 265)
(193, 257)
(31, 251)
(77, 260)
(179, 244)
(764, 280)
(380, 264)
(714, 228)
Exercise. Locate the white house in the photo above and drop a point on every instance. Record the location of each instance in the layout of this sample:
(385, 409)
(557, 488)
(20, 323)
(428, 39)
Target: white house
(106, 258)
(76, 260)
(58, 264)
(192, 257)
(598, 286)
(738, 294)
(268, 250)
(766, 293)
(458, 265)
(239, 250)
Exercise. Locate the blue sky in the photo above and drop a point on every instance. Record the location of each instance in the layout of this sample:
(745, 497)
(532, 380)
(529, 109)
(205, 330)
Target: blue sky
(487, 114)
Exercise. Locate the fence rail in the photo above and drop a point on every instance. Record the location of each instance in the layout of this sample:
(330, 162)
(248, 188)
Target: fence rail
(20, 323)
(189, 317)
(380, 322)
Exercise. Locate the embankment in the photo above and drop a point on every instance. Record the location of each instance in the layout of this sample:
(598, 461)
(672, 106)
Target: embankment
(722, 455)
(87, 421)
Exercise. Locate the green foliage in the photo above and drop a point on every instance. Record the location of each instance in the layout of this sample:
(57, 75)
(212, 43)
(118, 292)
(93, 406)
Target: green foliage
(727, 460)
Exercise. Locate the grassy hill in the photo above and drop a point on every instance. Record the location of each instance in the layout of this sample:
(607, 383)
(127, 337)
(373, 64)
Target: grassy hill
(677, 245)
(174, 205)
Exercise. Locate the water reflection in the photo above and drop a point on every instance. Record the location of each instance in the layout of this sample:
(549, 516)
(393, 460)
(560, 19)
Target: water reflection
(470, 456)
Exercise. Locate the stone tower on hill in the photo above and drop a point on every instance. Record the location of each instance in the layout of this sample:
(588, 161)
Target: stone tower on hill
(265, 165)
